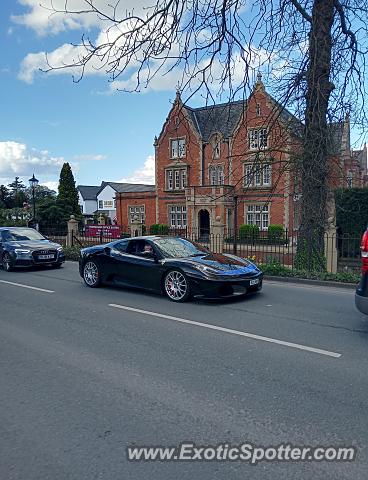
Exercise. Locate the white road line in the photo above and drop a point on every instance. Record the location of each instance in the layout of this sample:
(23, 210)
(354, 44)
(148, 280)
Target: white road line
(231, 331)
(27, 286)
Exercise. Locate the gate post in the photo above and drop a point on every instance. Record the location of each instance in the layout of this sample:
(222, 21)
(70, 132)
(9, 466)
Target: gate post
(72, 230)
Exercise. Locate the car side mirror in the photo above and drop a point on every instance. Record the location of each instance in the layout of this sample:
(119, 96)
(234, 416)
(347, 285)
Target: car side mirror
(107, 250)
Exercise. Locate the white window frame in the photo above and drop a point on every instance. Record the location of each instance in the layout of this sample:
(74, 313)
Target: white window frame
(139, 210)
(259, 215)
(216, 175)
(178, 216)
(176, 178)
(257, 175)
(177, 147)
(169, 180)
(257, 138)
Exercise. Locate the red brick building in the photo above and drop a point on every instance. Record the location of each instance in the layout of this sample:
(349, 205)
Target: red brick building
(237, 159)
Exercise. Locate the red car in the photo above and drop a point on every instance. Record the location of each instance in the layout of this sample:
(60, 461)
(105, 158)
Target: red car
(361, 294)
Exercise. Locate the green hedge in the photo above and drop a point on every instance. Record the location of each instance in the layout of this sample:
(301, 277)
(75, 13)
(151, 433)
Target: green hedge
(159, 229)
(248, 232)
(72, 253)
(275, 233)
(277, 269)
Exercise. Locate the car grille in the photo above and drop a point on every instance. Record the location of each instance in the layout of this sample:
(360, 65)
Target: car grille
(38, 254)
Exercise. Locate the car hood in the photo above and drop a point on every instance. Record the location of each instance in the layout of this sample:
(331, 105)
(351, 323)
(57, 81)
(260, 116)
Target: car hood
(223, 264)
(33, 244)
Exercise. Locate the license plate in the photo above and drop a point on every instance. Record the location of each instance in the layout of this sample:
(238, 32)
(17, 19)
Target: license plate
(45, 257)
(254, 282)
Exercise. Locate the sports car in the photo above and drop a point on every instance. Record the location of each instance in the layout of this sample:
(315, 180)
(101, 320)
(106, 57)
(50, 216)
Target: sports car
(174, 266)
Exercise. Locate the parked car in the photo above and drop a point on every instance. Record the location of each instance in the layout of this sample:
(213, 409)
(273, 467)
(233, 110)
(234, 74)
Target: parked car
(361, 294)
(174, 266)
(25, 247)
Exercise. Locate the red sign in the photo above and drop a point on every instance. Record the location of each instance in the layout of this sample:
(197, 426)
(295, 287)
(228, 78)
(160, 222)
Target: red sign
(105, 231)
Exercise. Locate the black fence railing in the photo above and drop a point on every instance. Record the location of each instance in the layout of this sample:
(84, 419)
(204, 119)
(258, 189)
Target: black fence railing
(342, 252)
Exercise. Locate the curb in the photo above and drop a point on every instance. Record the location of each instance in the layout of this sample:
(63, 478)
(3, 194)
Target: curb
(306, 281)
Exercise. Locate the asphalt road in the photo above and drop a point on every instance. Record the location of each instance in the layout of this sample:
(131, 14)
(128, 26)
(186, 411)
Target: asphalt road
(81, 379)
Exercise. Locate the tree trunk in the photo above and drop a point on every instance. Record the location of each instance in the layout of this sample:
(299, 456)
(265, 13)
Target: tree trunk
(314, 165)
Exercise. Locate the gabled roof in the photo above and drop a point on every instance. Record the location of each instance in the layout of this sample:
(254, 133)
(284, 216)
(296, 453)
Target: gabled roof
(127, 187)
(88, 192)
(222, 118)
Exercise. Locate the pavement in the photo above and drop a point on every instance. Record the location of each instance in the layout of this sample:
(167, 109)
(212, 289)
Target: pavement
(86, 372)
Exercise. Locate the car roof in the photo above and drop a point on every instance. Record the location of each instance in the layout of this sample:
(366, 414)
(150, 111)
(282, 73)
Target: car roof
(151, 237)
(16, 228)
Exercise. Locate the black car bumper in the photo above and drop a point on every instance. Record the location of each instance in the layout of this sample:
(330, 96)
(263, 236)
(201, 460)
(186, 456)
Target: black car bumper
(361, 295)
(225, 287)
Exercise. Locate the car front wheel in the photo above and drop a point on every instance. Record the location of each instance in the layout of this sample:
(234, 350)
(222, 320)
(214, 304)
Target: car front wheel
(176, 286)
(91, 274)
(7, 262)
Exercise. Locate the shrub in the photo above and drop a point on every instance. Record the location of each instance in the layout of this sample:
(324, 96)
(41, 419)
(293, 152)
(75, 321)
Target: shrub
(72, 253)
(159, 229)
(275, 233)
(248, 232)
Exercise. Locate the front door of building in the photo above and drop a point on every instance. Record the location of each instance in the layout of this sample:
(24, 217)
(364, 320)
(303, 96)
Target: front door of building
(204, 225)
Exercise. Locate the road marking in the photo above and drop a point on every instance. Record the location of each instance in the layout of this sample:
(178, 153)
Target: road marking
(231, 331)
(27, 286)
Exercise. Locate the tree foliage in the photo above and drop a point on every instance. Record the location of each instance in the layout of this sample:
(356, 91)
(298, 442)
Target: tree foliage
(68, 192)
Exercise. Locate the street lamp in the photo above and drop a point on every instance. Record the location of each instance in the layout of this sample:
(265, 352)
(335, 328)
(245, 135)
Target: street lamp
(33, 182)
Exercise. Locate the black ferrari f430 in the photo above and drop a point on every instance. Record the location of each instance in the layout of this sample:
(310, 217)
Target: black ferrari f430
(175, 266)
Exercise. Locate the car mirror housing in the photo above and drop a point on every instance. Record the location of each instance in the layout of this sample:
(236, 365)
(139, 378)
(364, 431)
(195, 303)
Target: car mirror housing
(107, 250)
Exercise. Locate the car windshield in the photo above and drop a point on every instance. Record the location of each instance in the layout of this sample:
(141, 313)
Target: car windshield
(180, 248)
(21, 234)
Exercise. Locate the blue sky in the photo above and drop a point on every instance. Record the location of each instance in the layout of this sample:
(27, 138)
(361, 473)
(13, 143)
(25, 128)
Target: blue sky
(49, 119)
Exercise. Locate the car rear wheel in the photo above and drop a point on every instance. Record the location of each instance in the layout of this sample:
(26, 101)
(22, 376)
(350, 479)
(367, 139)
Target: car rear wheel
(176, 286)
(7, 263)
(91, 274)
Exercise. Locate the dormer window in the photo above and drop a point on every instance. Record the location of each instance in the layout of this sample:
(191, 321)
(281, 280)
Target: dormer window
(258, 110)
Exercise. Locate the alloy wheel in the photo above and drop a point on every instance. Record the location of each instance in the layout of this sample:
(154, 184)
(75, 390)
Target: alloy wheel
(91, 274)
(7, 262)
(176, 286)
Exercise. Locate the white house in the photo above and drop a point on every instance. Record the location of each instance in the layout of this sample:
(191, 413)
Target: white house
(95, 200)
(88, 198)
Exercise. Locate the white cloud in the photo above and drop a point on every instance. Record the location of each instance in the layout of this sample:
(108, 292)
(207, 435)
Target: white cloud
(90, 158)
(16, 159)
(145, 175)
(51, 185)
(49, 17)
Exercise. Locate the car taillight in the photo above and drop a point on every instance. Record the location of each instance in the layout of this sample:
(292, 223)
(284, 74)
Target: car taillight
(364, 250)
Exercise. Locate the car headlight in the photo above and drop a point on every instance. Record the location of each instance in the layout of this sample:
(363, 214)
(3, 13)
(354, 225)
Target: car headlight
(206, 269)
(60, 249)
(21, 251)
